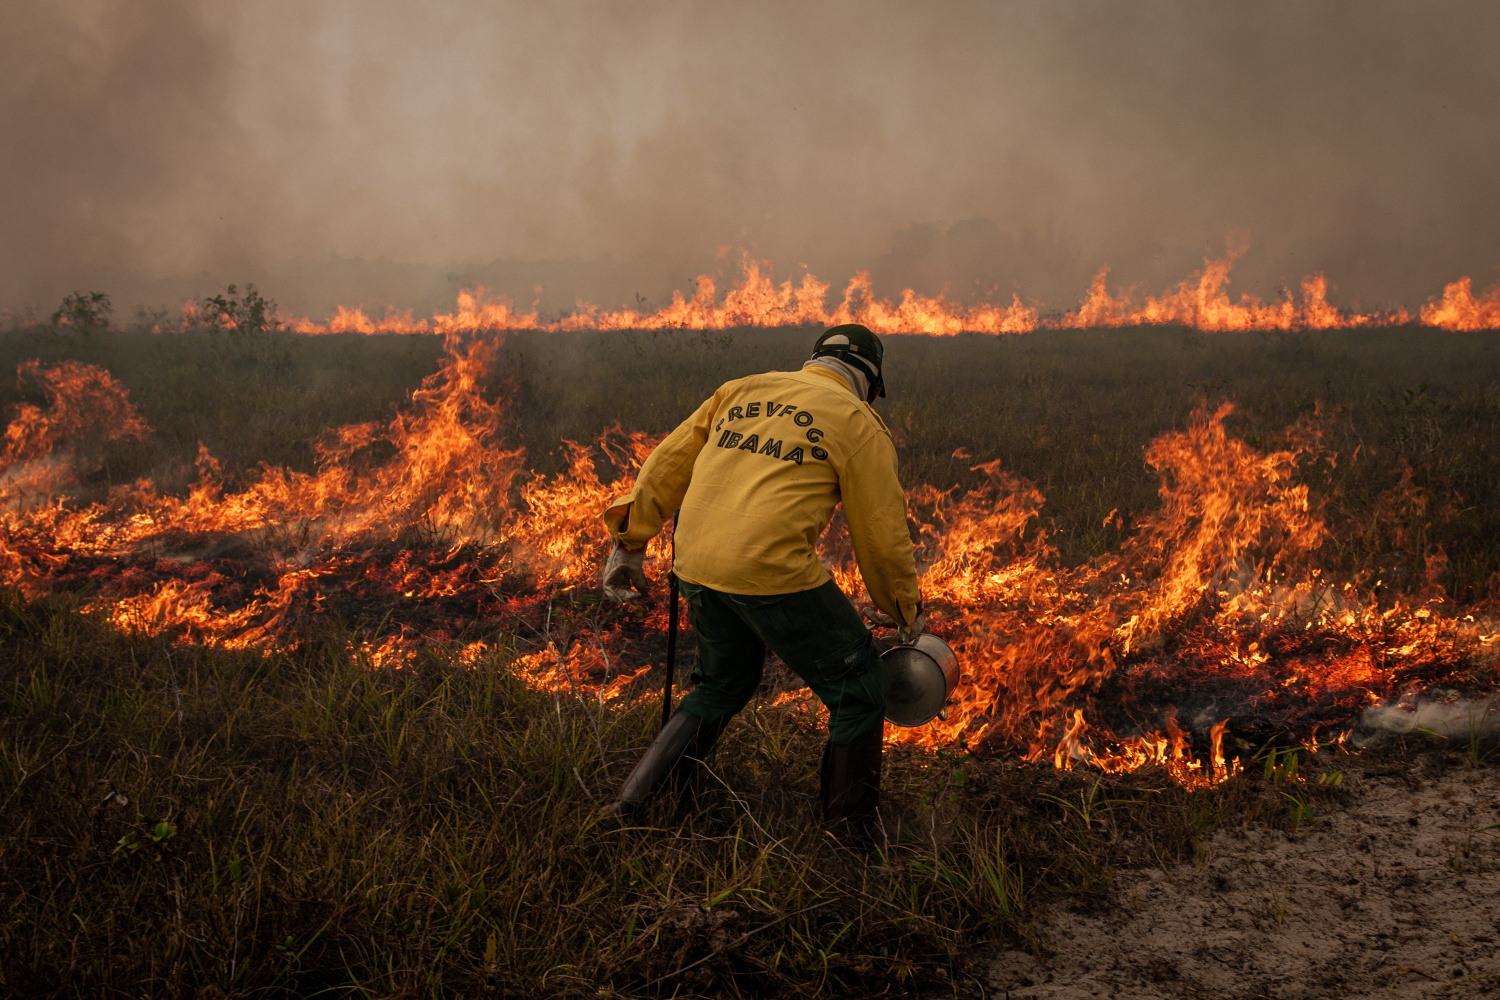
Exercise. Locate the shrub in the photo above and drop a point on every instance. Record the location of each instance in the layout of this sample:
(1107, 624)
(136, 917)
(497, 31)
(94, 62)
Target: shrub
(84, 311)
(240, 312)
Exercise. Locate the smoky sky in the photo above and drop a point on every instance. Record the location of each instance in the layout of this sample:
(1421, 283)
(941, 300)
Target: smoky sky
(371, 152)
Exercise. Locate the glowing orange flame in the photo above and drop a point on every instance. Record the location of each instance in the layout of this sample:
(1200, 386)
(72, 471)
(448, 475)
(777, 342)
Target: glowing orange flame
(1460, 310)
(1199, 301)
(1216, 734)
(1219, 585)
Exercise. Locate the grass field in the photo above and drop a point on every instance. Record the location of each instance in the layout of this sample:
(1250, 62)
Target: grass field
(188, 822)
(184, 821)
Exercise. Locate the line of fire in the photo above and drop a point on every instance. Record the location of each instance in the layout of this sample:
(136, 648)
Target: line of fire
(1200, 301)
(435, 519)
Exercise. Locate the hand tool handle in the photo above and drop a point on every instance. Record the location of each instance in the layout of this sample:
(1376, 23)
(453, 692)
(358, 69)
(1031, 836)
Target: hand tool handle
(666, 687)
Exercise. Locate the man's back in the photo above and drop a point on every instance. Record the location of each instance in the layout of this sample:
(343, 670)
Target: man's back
(768, 477)
(756, 472)
(754, 475)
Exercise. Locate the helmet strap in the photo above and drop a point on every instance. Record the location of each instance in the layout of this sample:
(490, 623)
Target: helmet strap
(848, 357)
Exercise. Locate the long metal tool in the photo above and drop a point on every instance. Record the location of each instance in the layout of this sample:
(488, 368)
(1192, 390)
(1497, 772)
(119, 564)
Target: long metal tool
(666, 687)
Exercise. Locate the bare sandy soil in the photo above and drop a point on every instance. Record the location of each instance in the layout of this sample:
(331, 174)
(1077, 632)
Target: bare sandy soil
(1396, 892)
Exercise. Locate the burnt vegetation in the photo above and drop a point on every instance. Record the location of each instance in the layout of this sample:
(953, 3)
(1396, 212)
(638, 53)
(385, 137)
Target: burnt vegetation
(184, 820)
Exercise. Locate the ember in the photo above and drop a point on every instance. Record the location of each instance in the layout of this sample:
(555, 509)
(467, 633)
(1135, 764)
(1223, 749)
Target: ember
(1213, 617)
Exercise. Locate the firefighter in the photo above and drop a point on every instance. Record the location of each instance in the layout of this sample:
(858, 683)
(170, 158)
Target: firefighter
(754, 475)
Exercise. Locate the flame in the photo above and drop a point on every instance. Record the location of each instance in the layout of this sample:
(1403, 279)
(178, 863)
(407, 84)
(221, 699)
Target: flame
(1216, 738)
(433, 524)
(47, 450)
(1460, 310)
(1200, 301)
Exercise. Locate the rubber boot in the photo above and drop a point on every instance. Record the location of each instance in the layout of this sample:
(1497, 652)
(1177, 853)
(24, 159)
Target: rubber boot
(850, 791)
(688, 778)
(683, 739)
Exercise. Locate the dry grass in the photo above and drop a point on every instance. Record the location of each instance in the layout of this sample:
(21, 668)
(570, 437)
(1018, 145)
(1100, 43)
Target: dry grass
(180, 821)
(189, 822)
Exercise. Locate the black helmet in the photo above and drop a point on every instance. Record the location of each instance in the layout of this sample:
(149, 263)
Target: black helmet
(855, 345)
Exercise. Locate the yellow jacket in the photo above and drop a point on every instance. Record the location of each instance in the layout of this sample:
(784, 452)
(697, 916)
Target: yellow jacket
(756, 472)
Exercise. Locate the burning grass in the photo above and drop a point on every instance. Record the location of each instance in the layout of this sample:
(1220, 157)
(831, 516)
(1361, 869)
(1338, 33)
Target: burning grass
(402, 697)
(434, 520)
(1201, 300)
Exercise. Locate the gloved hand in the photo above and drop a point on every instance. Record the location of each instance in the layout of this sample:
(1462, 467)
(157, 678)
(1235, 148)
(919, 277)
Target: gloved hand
(624, 575)
(904, 636)
(907, 636)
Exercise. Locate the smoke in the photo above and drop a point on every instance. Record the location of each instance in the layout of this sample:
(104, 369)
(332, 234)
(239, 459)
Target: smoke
(370, 152)
(1455, 720)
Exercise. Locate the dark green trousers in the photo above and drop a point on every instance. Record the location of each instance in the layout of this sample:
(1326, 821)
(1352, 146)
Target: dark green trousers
(815, 632)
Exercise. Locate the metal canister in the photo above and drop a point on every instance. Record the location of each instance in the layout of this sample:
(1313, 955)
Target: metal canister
(919, 676)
